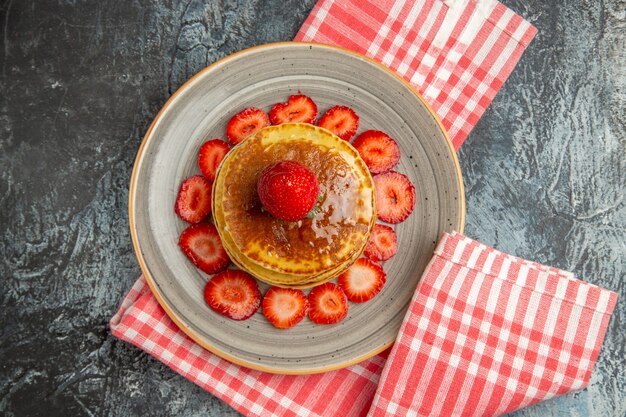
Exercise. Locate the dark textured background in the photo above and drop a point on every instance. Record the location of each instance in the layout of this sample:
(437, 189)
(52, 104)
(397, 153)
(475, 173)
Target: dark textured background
(81, 81)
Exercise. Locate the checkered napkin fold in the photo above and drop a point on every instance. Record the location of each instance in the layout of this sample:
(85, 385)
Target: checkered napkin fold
(486, 333)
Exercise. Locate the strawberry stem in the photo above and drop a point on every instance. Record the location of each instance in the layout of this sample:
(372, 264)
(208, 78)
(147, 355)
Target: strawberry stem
(316, 209)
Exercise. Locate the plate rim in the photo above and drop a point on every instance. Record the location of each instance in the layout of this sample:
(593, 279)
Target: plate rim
(179, 321)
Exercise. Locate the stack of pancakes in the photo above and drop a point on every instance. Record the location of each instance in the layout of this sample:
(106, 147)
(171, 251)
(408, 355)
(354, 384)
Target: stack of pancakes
(312, 250)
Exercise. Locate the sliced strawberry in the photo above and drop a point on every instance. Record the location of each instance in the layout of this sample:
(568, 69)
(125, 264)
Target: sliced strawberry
(193, 202)
(395, 196)
(328, 304)
(383, 243)
(378, 150)
(340, 120)
(298, 108)
(285, 307)
(363, 280)
(234, 294)
(202, 245)
(245, 123)
(211, 154)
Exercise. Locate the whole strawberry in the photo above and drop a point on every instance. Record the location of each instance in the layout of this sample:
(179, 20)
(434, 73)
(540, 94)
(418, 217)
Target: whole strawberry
(288, 190)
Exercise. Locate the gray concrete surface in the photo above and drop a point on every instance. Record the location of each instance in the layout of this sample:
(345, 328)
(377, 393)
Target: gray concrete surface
(80, 82)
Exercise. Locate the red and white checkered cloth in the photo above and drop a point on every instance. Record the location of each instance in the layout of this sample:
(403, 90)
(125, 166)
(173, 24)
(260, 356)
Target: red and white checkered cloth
(461, 347)
(488, 333)
(456, 53)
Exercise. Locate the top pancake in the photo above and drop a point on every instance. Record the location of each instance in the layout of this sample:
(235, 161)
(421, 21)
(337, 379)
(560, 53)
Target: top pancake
(308, 247)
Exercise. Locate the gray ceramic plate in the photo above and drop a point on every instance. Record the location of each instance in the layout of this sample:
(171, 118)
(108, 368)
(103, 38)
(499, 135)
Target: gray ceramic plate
(260, 77)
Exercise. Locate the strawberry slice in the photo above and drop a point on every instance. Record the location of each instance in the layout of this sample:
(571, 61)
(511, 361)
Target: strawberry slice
(363, 280)
(202, 245)
(383, 243)
(298, 109)
(234, 294)
(328, 304)
(211, 154)
(395, 197)
(285, 307)
(378, 150)
(245, 123)
(193, 202)
(340, 120)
